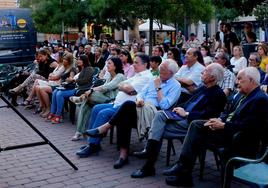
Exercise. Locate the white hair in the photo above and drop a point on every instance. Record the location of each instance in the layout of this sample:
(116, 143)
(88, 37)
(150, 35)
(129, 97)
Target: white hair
(253, 73)
(171, 65)
(217, 71)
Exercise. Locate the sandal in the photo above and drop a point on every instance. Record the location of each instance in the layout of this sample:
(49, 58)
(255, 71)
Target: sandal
(27, 102)
(45, 114)
(77, 136)
(15, 90)
(50, 117)
(56, 120)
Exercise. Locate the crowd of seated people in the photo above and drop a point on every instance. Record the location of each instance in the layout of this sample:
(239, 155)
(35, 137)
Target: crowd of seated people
(137, 89)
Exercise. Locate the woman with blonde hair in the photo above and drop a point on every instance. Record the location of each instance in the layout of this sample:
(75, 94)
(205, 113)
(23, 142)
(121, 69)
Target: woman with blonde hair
(43, 90)
(238, 61)
(262, 51)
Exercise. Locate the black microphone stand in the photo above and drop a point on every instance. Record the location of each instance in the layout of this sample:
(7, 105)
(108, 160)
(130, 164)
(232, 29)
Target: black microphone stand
(46, 141)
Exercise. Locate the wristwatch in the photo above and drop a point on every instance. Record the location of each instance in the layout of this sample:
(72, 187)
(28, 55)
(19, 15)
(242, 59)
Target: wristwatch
(158, 88)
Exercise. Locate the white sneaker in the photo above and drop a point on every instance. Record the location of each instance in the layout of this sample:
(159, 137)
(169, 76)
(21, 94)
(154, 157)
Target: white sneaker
(77, 136)
(76, 100)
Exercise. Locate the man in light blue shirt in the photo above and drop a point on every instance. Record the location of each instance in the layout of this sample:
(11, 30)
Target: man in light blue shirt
(160, 93)
(169, 88)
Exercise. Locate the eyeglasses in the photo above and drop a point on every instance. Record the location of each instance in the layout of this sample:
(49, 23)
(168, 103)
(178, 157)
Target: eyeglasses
(169, 54)
(250, 59)
(216, 58)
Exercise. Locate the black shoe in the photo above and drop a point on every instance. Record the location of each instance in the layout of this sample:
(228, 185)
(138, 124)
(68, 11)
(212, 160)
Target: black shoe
(120, 163)
(87, 151)
(180, 181)
(141, 173)
(14, 103)
(141, 154)
(13, 99)
(94, 133)
(174, 170)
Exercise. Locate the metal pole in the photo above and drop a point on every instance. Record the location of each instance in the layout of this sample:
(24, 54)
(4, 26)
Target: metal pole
(62, 24)
(151, 21)
(38, 132)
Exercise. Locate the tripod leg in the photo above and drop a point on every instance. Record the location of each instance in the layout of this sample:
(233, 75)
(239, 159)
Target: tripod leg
(38, 132)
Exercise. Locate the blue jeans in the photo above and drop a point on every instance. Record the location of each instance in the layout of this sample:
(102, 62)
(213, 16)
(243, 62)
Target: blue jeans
(58, 97)
(101, 113)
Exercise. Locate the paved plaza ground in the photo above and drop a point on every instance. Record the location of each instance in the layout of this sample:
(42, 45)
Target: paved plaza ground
(41, 166)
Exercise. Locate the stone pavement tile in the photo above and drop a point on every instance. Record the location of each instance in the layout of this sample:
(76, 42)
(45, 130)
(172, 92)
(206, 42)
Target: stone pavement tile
(73, 186)
(36, 184)
(19, 182)
(54, 185)
(3, 185)
(41, 166)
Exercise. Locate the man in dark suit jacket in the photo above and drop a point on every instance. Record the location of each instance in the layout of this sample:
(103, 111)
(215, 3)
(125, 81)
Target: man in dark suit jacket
(207, 102)
(249, 116)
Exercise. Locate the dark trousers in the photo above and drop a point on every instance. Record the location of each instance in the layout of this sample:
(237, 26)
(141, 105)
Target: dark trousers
(198, 136)
(124, 119)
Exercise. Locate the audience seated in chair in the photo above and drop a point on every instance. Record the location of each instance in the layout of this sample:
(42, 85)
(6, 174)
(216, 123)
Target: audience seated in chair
(160, 93)
(98, 95)
(208, 101)
(45, 65)
(189, 74)
(228, 81)
(83, 80)
(128, 89)
(44, 88)
(248, 117)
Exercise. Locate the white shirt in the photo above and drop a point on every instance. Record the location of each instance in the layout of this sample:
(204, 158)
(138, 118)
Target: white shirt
(238, 64)
(192, 73)
(138, 82)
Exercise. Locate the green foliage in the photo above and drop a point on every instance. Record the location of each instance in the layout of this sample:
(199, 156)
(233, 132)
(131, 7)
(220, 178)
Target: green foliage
(48, 15)
(120, 14)
(261, 12)
(227, 10)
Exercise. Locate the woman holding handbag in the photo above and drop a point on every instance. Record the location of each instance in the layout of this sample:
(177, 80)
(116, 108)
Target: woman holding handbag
(76, 85)
(101, 94)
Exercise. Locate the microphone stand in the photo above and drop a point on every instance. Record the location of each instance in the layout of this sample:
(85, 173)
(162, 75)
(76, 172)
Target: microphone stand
(46, 141)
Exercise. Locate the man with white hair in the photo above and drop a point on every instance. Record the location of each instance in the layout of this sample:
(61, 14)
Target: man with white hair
(207, 102)
(160, 93)
(248, 114)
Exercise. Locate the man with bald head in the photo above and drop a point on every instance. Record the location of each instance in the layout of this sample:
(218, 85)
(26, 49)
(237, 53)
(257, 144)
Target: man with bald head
(248, 114)
(189, 74)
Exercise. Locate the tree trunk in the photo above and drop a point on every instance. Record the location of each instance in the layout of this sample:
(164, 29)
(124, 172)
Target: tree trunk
(134, 34)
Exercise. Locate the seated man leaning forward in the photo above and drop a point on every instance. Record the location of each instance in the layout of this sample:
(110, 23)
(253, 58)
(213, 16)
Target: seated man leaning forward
(249, 115)
(189, 74)
(208, 101)
(160, 93)
(128, 89)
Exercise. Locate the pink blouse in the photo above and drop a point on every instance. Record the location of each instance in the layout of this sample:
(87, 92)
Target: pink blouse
(128, 70)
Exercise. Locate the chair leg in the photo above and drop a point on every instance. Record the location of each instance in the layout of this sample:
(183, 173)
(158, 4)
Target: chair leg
(72, 112)
(111, 134)
(202, 158)
(216, 160)
(173, 148)
(169, 146)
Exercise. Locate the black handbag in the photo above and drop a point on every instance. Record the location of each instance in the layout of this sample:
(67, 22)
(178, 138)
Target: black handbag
(69, 86)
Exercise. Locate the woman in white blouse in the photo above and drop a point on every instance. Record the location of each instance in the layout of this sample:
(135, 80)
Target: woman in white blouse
(238, 60)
